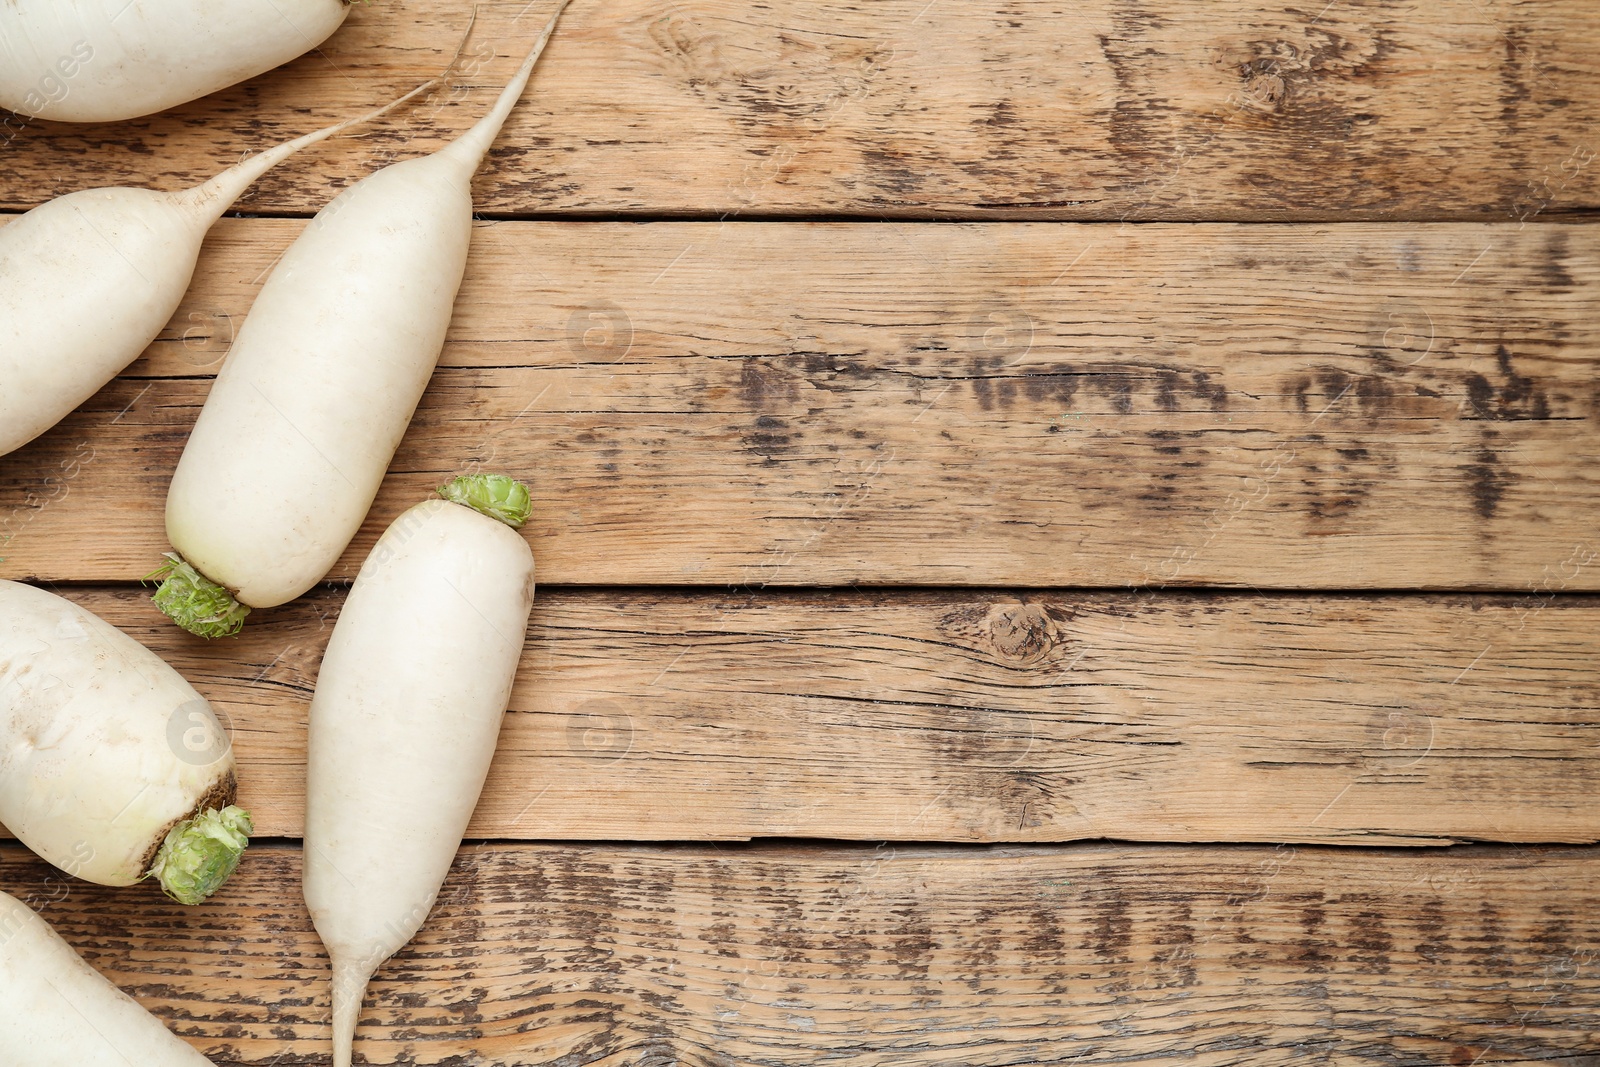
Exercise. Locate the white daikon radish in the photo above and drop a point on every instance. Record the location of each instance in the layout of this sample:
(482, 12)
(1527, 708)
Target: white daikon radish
(321, 383)
(57, 1011)
(111, 766)
(404, 723)
(89, 279)
(107, 60)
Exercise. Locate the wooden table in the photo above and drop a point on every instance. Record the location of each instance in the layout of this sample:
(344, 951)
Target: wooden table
(1051, 518)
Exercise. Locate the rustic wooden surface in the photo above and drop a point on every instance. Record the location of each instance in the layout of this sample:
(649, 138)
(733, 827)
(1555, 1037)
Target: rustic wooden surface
(1106, 109)
(771, 955)
(1357, 429)
(987, 716)
(1360, 406)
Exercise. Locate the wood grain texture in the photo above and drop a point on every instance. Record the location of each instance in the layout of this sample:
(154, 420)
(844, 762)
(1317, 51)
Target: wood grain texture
(1032, 404)
(987, 716)
(973, 957)
(1107, 109)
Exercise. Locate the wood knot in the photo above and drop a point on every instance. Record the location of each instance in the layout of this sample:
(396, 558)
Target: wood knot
(1268, 90)
(1020, 631)
(1265, 74)
(1015, 631)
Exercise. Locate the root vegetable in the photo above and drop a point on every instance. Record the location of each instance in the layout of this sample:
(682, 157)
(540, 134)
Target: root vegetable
(321, 383)
(57, 1011)
(89, 279)
(111, 766)
(107, 60)
(404, 722)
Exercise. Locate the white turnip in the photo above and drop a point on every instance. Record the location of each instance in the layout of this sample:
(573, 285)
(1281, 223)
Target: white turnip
(107, 60)
(89, 279)
(321, 383)
(404, 722)
(111, 766)
(57, 1011)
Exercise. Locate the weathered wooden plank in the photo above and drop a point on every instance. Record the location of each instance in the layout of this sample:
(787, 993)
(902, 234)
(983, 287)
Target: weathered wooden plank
(1033, 404)
(1105, 954)
(1190, 109)
(988, 716)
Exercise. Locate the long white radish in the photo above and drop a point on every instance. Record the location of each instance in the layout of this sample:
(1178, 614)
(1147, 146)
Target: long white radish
(404, 722)
(107, 60)
(89, 279)
(57, 1011)
(321, 383)
(111, 766)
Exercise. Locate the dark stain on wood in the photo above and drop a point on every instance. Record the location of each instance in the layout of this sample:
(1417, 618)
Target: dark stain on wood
(765, 383)
(1143, 124)
(771, 438)
(895, 171)
(1487, 481)
(1112, 934)
(1372, 942)
(1513, 397)
(737, 954)
(1554, 264)
(1514, 91)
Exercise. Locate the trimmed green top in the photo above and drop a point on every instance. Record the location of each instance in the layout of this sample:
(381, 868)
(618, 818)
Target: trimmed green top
(195, 602)
(498, 496)
(200, 853)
